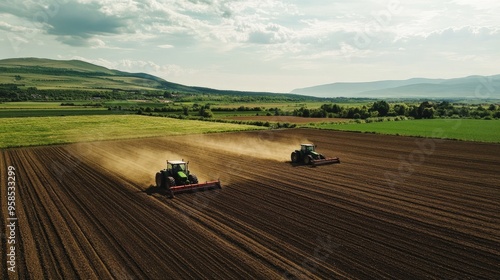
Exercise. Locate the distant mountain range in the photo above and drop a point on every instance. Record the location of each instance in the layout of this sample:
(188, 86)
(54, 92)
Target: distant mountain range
(471, 87)
(80, 75)
(75, 74)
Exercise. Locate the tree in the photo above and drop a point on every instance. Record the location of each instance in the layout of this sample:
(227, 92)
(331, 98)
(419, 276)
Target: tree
(444, 108)
(413, 111)
(331, 108)
(382, 107)
(336, 109)
(364, 113)
(445, 105)
(464, 112)
(425, 105)
(327, 107)
(428, 113)
(401, 109)
(205, 112)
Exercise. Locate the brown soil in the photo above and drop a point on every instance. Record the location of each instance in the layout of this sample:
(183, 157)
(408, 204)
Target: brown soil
(396, 207)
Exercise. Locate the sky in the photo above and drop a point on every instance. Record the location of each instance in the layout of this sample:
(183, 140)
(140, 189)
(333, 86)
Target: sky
(261, 45)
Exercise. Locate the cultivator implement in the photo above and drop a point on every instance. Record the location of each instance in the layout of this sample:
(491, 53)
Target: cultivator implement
(194, 187)
(317, 162)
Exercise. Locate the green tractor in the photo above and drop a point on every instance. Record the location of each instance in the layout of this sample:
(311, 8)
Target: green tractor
(308, 155)
(177, 178)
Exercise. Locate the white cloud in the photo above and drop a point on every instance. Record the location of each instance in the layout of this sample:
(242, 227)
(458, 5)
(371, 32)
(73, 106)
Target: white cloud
(165, 46)
(478, 4)
(176, 38)
(14, 28)
(97, 43)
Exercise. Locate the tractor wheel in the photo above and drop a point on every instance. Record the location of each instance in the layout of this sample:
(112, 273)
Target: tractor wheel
(193, 179)
(170, 182)
(294, 157)
(159, 180)
(321, 156)
(308, 159)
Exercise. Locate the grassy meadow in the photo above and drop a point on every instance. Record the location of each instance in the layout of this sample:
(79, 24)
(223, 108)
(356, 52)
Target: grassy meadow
(58, 112)
(52, 109)
(26, 105)
(35, 131)
(460, 129)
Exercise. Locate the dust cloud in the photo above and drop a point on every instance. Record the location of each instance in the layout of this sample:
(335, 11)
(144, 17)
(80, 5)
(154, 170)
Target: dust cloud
(139, 164)
(256, 147)
(135, 163)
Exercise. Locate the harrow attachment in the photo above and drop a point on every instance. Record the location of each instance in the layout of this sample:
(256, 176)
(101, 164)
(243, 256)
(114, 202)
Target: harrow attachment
(317, 162)
(194, 187)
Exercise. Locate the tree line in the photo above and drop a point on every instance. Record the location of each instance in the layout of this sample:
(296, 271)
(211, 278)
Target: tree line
(424, 110)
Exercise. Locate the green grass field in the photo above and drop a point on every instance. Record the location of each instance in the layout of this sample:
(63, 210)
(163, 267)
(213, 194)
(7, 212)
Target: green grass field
(19, 113)
(52, 109)
(77, 104)
(17, 132)
(30, 105)
(47, 81)
(460, 129)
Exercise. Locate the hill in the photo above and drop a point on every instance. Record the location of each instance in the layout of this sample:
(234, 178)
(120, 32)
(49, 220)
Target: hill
(471, 87)
(44, 73)
(75, 74)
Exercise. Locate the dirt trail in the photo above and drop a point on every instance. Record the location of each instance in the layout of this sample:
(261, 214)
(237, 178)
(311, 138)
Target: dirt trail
(396, 207)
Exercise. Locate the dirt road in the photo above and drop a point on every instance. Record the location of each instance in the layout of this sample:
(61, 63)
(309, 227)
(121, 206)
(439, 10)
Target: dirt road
(396, 207)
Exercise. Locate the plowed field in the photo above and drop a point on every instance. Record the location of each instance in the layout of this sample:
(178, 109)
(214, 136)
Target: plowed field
(396, 207)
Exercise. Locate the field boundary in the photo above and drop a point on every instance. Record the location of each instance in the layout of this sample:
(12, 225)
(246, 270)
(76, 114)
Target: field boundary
(470, 130)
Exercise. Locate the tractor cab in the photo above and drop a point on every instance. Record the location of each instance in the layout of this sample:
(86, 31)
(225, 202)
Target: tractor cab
(176, 166)
(178, 170)
(307, 148)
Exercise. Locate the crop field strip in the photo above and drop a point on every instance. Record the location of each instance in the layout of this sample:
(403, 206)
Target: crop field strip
(461, 129)
(18, 132)
(83, 216)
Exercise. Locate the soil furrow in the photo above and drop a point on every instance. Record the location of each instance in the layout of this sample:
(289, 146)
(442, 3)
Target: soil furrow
(395, 208)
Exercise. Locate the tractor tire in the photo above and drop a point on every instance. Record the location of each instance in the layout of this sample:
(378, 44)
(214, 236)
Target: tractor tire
(308, 159)
(321, 156)
(193, 179)
(159, 180)
(170, 182)
(294, 157)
